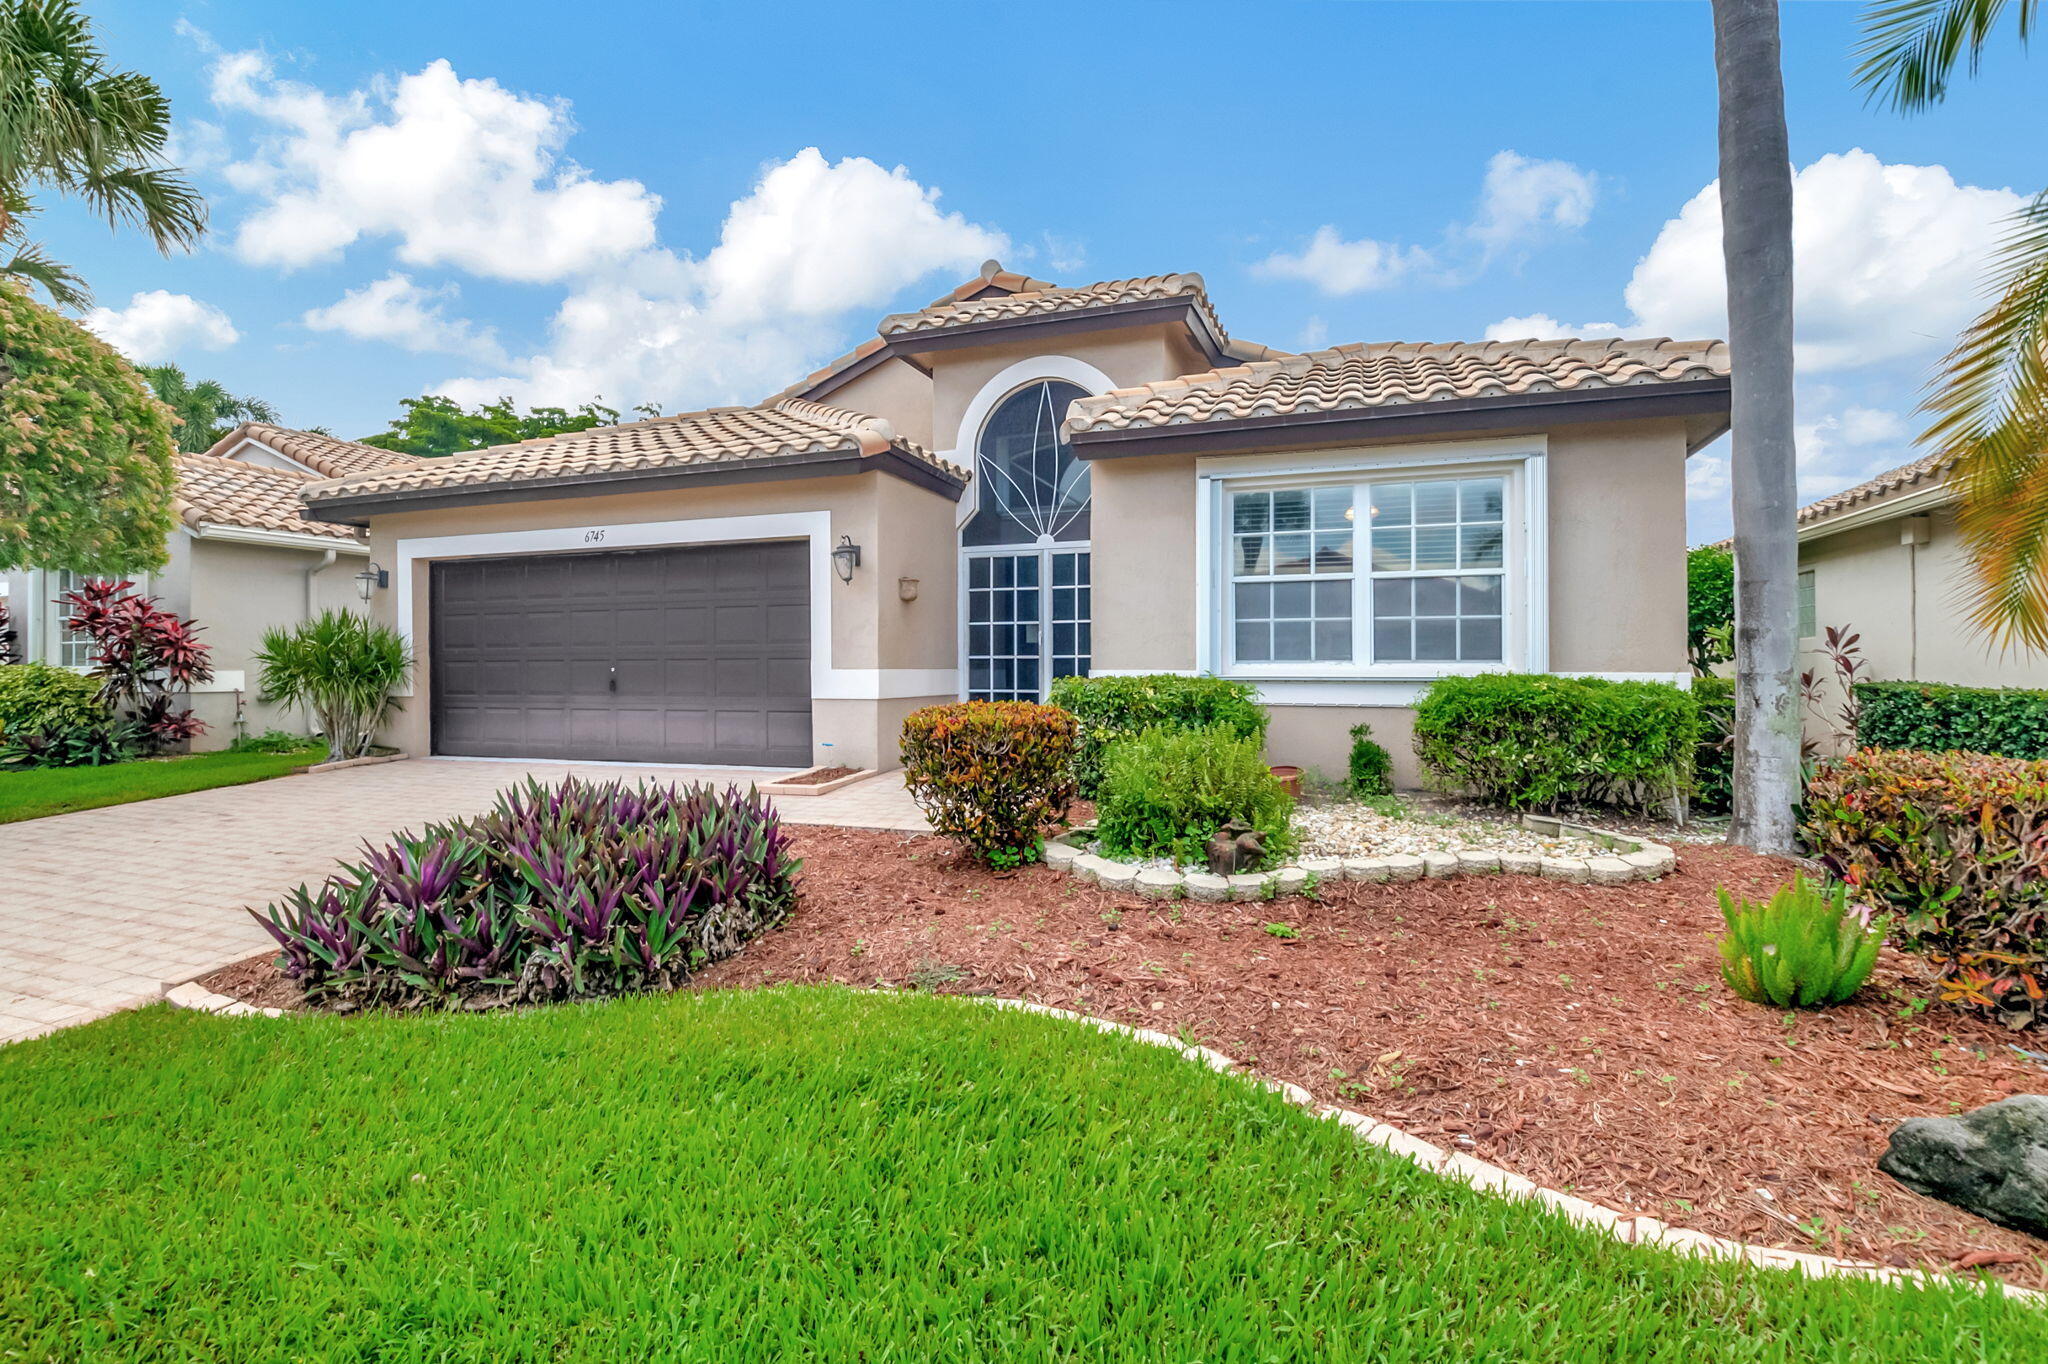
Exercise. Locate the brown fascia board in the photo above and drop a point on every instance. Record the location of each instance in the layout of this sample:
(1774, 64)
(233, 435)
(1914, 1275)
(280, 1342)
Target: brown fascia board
(1452, 416)
(356, 511)
(1115, 316)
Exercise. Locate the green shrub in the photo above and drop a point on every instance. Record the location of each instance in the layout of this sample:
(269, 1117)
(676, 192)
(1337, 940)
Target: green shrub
(1803, 947)
(2009, 721)
(1713, 761)
(1709, 606)
(1372, 767)
(344, 667)
(1956, 846)
(1107, 709)
(992, 774)
(273, 741)
(36, 696)
(1533, 740)
(1166, 792)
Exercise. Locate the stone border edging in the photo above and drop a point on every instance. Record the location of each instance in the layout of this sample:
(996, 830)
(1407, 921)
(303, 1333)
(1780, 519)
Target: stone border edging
(1632, 1228)
(1629, 859)
(786, 786)
(370, 761)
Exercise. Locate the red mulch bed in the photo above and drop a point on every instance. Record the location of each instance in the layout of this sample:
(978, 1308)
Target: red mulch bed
(1578, 1035)
(816, 777)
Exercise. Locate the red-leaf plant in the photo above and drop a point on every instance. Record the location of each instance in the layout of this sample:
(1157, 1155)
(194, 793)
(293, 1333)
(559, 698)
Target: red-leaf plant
(142, 655)
(1843, 651)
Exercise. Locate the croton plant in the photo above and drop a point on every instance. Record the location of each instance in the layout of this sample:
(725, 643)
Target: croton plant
(143, 656)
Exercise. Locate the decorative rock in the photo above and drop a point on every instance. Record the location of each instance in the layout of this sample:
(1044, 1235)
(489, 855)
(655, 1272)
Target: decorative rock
(1469, 861)
(1567, 869)
(1157, 883)
(1290, 881)
(1089, 868)
(1521, 863)
(1646, 864)
(1202, 886)
(1992, 1161)
(1061, 856)
(1610, 871)
(1366, 868)
(1116, 875)
(1440, 864)
(1247, 885)
(1324, 868)
(1403, 867)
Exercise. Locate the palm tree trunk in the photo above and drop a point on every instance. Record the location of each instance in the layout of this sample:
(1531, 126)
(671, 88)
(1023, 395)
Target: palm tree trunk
(1756, 244)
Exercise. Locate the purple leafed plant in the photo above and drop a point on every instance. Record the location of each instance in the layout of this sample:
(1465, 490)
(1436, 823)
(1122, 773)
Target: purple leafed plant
(556, 892)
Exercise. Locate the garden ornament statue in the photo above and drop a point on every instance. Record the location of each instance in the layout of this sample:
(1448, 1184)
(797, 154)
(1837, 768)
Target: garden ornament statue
(1235, 848)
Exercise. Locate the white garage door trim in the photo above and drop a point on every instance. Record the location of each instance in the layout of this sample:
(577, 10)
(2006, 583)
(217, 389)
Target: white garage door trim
(827, 682)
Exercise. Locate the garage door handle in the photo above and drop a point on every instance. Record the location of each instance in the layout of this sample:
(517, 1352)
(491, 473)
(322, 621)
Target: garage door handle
(613, 684)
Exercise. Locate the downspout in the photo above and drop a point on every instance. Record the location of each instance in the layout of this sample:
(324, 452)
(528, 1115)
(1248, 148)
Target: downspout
(327, 558)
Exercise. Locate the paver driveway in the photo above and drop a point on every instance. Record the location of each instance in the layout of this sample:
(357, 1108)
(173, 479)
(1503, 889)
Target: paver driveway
(101, 909)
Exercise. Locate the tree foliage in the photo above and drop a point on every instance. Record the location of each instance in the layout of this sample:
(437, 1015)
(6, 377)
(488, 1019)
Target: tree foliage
(434, 425)
(86, 471)
(1709, 607)
(72, 123)
(205, 409)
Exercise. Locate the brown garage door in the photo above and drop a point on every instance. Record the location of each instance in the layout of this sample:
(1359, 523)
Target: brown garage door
(697, 655)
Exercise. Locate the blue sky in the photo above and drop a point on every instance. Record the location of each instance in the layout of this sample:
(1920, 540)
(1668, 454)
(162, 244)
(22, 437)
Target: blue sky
(692, 204)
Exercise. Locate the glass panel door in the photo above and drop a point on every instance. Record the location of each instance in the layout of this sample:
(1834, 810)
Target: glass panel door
(1020, 635)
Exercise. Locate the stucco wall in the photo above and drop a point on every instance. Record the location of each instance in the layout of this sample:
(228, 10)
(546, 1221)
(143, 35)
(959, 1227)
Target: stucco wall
(896, 391)
(1135, 356)
(1319, 737)
(1903, 601)
(239, 591)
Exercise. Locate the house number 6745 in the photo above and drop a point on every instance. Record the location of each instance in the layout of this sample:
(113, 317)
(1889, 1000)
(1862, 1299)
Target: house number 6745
(591, 537)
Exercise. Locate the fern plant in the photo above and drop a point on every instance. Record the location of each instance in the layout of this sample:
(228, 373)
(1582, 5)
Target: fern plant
(1805, 947)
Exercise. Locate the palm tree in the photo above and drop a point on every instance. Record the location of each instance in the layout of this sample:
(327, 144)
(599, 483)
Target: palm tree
(70, 123)
(206, 410)
(1989, 403)
(1756, 247)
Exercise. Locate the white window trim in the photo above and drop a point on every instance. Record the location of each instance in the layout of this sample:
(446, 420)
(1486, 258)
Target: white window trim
(967, 440)
(828, 683)
(1526, 626)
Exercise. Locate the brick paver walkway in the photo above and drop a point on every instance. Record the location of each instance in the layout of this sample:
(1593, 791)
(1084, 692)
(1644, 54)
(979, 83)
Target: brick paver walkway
(99, 910)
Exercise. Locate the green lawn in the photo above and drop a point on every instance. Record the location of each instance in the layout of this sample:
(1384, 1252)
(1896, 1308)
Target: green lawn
(54, 790)
(802, 1174)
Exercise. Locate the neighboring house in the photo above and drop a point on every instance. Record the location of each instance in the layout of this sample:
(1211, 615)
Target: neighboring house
(1021, 481)
(242, 559)
(1883, 560)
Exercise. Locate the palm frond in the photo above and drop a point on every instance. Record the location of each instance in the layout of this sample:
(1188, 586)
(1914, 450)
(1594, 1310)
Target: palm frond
(152, 198)
(34, 265)
(1990, 411)
(1911, 48)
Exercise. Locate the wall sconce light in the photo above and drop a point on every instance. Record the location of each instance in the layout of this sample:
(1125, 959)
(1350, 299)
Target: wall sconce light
(371, 579)
(846, 558)
(906, 588)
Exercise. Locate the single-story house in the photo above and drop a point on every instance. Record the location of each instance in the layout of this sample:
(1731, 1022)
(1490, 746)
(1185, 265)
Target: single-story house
(1883, 560)
(1021, 481)
(242, 559)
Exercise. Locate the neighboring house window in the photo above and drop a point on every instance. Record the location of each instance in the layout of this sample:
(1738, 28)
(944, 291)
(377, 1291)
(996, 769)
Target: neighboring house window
(1808, 618)
(1396, 573)
(1027, 566)
(74, 648)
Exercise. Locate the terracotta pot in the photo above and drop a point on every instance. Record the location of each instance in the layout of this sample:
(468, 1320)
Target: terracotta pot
(1290, 780)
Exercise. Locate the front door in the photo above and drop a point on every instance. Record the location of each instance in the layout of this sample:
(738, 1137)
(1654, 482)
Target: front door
(1027, 621)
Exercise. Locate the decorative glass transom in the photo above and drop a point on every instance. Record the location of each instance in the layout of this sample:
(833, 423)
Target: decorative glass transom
(1031, 489)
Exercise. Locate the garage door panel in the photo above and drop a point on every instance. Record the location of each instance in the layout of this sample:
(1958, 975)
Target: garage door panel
(711, 646)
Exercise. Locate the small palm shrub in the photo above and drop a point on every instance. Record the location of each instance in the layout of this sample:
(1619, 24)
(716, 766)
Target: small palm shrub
(1166, 792)
(1372, 767)
(1805, 946)
(343, 667)
(1107, 709)
(558, 892)
(991, 774)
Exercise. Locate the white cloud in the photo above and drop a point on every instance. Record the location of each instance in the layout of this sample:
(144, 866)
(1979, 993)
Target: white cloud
(813, 240)
(1706, 478)
(1524, 199)
(1542, 326)
(461, 173)
(396, 310)
(1337, 266)
(1315, 333)
(157, 325)
(1842, 448)
(1887, 261)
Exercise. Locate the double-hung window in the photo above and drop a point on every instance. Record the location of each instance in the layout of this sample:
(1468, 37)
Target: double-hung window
(1382, 573)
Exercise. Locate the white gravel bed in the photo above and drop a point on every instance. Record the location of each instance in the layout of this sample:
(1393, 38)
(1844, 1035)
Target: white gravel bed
(1346, 829)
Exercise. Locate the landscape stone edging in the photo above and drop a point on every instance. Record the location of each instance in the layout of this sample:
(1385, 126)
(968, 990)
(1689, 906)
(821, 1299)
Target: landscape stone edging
(823, 788)
(1632, 1228)
(1629, 859)
(371, 760)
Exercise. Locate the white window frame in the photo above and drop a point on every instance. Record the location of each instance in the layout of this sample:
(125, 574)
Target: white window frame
(1806, 591)
(1043, 553)
(1522, 461)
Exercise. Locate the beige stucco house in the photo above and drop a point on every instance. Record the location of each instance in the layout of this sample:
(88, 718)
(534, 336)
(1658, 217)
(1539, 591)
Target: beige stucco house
(1022, 481)
(242, 559)
(1883, 560)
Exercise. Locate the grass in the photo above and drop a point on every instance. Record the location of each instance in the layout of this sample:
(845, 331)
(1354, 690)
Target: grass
(56, 790)
(801, 1174)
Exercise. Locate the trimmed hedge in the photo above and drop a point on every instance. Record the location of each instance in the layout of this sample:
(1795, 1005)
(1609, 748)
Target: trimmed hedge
(1166, 793)
(1534, 740)
(36, 697)
(2011, 722)
(1713, 762)
(1106, 709)
(1957, 845)
(992, 774)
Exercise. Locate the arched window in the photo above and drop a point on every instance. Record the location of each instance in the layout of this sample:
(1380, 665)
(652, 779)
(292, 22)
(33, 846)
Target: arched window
(1026, 608)
(1031, 489)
